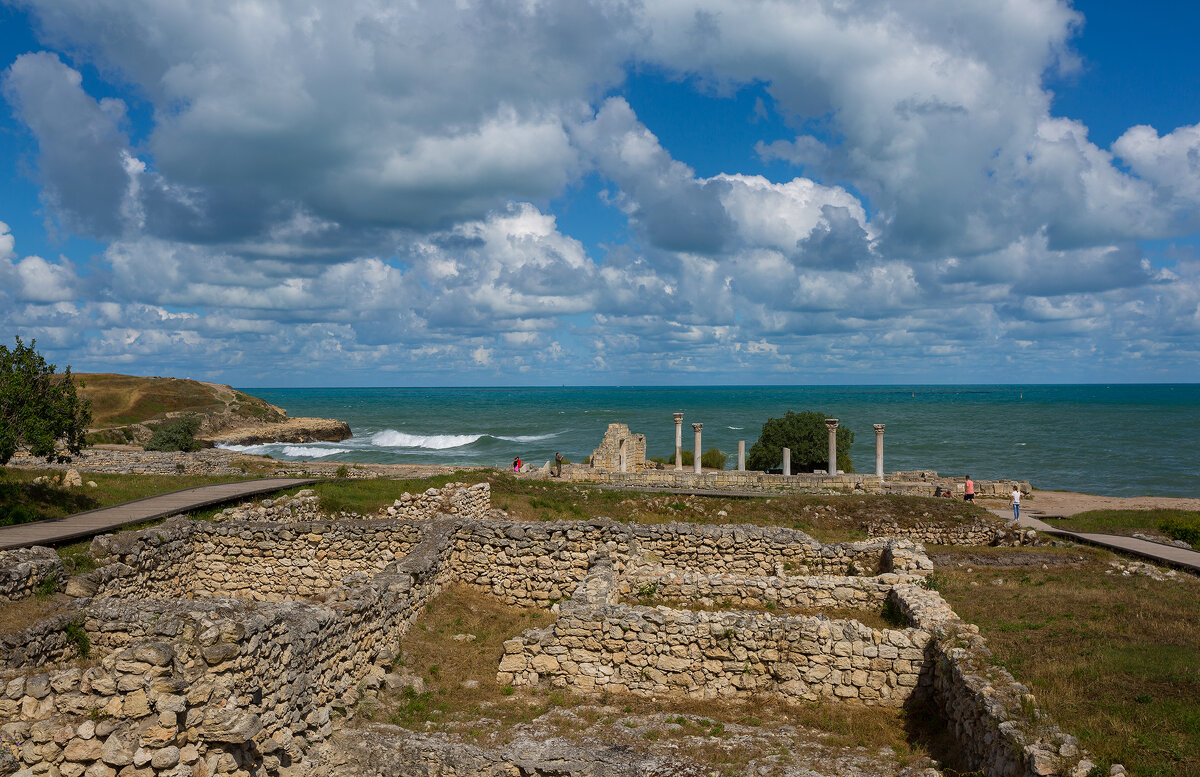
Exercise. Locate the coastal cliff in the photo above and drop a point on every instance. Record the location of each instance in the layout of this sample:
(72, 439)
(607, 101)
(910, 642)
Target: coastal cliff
(127, 409)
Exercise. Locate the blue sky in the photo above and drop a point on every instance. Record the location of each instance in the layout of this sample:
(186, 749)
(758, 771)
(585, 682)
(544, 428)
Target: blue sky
(694, 192)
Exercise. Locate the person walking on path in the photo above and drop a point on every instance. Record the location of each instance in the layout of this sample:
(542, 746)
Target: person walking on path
(558, 464)
(1015, 499)
(969, 492)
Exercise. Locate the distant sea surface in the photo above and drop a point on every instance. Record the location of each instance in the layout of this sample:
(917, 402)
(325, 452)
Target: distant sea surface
(1119, 439)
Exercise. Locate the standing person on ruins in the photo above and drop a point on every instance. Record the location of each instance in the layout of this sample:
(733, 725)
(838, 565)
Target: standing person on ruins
(969, 492)
(558, 464)
(1015, 499)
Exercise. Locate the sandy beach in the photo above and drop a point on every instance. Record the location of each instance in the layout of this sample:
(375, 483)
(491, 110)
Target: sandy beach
(1065, 503)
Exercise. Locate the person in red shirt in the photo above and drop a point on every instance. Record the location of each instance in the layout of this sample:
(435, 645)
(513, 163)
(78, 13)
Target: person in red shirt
(969, 493)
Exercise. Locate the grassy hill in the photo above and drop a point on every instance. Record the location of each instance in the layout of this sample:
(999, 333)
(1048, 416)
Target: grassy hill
(125, 408)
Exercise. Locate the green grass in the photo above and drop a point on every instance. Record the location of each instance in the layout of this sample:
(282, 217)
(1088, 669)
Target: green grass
(23, 501)
(1114, 659)
(1127, 522)
(368, 496)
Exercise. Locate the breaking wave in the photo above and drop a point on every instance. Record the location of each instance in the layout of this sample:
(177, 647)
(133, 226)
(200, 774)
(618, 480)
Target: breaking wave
(390, 438)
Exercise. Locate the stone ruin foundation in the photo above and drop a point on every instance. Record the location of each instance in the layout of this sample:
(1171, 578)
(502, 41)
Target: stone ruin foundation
(231, 647)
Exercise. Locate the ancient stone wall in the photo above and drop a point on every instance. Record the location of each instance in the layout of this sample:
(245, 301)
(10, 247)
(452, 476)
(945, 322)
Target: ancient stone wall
(302, 506)
(978, 533)
(238, 686)
(537, 563)
(24, 570)
(598, 644)
(271, 562)
(764, 482)
(732, 592)
(458, 499)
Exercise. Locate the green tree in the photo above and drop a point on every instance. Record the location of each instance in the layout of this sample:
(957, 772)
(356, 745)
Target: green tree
(808, 438)
(177, 434)
(39, 411)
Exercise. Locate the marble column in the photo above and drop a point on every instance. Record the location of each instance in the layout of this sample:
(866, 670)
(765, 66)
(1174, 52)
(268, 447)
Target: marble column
(787, 461)
(741, 455)
(679, 442)
(696, 463)
(879, 451)
(831, 424)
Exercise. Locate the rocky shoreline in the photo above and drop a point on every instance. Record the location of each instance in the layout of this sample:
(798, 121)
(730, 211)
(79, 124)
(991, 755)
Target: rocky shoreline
(298, 430)
(132, 460)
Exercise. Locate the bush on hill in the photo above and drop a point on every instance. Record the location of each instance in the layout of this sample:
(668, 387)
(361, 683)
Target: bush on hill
(178, 434)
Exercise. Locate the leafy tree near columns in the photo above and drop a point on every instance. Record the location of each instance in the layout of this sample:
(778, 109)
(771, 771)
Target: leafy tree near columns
(807, 436)
(39, 411)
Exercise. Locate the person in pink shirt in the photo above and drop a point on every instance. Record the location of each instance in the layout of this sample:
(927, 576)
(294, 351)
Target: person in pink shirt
(969, 493)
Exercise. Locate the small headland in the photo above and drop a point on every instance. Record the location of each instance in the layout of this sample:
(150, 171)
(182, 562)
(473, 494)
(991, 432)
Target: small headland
(126, 409)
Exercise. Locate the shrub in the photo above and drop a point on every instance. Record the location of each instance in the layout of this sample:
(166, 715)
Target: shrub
(76, 634)
(177, 434)
(712, 458)
(1182, 529)
(806, 435)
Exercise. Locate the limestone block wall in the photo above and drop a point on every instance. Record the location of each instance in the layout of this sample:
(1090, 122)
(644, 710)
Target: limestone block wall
(24, 570)
(995, 720)
(45, 642)
(536, 563)
(978, 533)
(597, 644)
(266, 562)
(303, 506)
(803, 483)
(211, 686)
(529, 563)
(733, 592)
(768, 550)
(474, 501)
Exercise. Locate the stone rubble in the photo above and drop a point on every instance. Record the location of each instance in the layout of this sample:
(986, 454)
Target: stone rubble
(1127, 568)
(24, 570)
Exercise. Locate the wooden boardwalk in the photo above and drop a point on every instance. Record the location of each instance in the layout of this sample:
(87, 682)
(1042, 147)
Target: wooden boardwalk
(1152, 551)
(105, 519)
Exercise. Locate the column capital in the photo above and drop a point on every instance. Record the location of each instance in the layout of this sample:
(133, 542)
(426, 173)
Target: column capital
(697, 427)
(831, 423)
(879, 428)
(678, 417)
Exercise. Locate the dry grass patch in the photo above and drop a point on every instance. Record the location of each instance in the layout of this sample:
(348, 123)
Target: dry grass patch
(461, 696)
(1114, 658)
(828, 518)
(23, 613)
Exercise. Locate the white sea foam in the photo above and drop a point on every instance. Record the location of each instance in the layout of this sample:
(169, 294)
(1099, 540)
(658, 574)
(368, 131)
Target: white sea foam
(390, 438)
(740, 428)
(254, 450)
(316, 453)
(528, 437)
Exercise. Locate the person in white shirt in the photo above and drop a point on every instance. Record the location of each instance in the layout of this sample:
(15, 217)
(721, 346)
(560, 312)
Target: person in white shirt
(1016, 503)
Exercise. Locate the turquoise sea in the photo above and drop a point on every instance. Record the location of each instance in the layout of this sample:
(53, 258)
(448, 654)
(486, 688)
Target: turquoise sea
(1119, 439)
